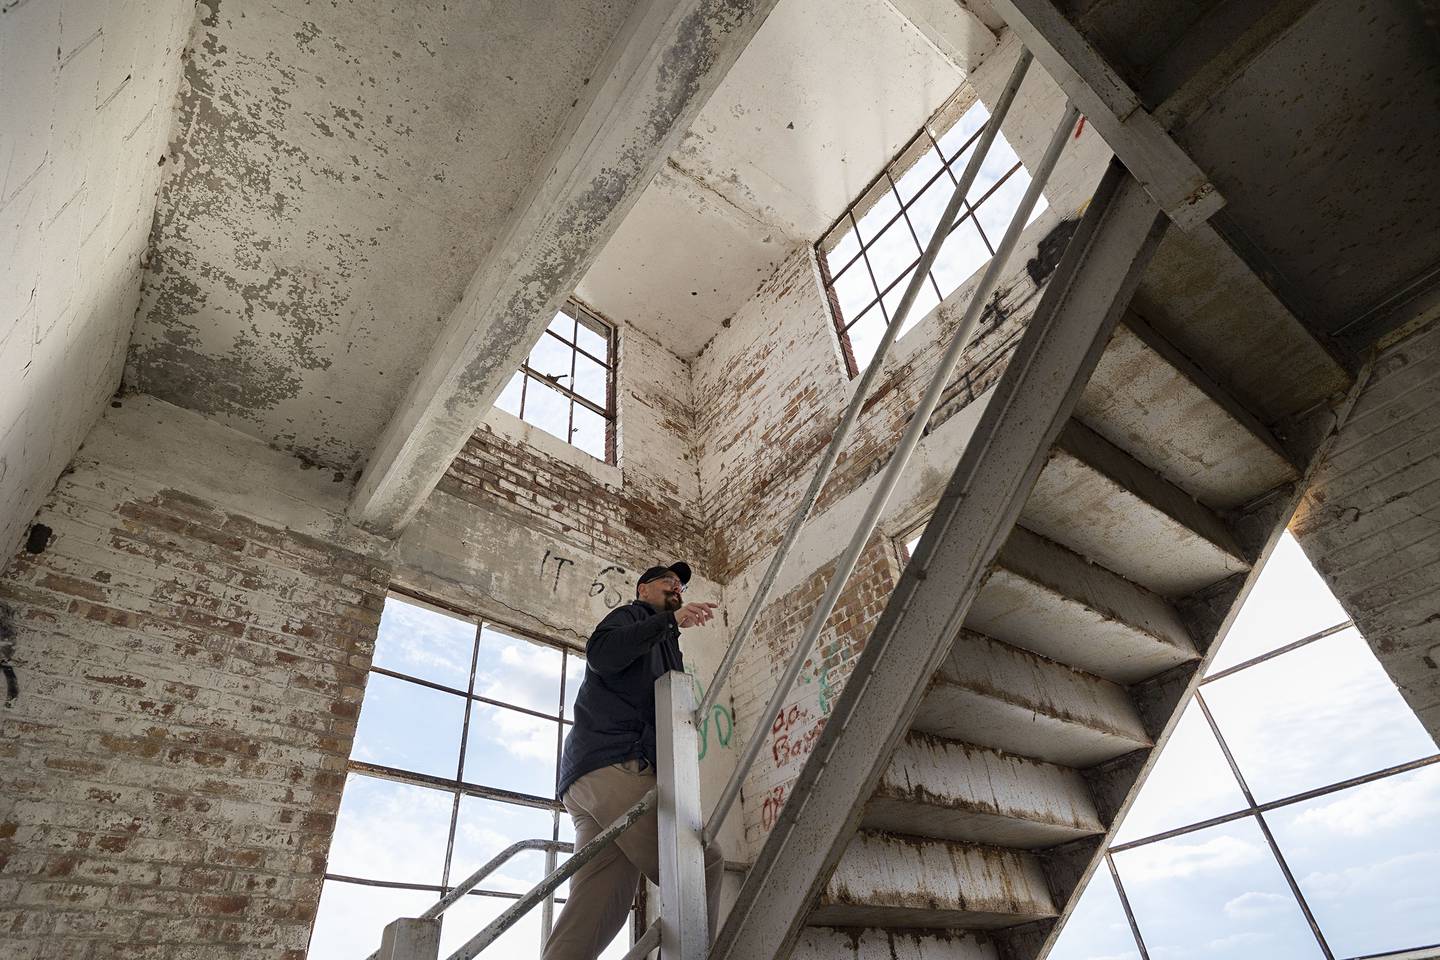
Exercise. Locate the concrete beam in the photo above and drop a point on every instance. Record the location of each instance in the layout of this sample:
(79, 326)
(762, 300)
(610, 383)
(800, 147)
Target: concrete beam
(950, 27)
(666, 62)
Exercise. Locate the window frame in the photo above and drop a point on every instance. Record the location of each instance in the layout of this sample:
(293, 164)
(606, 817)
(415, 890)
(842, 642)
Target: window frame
(457, 787)
(597, 324)
(924, 141)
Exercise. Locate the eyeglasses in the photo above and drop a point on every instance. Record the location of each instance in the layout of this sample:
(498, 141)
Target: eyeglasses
(673, 582)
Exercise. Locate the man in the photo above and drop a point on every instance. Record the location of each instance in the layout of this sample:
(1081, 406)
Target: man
(609, 760)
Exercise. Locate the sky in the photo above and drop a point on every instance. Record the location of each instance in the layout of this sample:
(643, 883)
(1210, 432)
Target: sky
(1366, 858)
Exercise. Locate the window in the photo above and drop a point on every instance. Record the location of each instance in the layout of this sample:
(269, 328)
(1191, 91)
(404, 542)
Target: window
(566, 386)
(455, 758)
(868, 256)
(1297, 759)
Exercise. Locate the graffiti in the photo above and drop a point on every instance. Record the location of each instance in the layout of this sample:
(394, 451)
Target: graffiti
(792, 740)
(606, 588)
(774, 803)
(724, 722)
(829, 688)
(559, 567)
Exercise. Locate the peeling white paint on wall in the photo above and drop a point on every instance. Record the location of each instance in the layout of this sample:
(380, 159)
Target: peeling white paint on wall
(86, 101)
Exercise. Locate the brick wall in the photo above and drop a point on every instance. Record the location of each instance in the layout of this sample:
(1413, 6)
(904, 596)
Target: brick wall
(793, 732)
(189, 681)
(1357, 522)
(643, 508)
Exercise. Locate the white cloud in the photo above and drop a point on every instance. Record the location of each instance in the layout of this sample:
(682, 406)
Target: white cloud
(1367, 810)
(1408, 871)
(1256, 904)
(1181, 858)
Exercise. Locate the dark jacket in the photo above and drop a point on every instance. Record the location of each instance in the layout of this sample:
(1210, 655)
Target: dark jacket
(615, 709)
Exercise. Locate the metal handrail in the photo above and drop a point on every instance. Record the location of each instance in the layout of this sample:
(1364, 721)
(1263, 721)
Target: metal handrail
(648, 941)
(544, 888)
(919, 419)
(862, 390)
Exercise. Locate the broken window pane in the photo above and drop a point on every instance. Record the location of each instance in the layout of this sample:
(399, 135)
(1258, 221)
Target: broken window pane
(844, 250)
(926, 166)
(865, 336)
(406, 725)
(593, 341)
(954, 139)
(550, 359)
(963, 254)
(854, 291)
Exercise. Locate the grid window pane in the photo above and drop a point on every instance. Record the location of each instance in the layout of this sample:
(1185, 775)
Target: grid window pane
(1307, 609)
(1315, 716)
(1097, 930)
(925, 301)
(875, 220)
(1367, 860)
(854, 291)
(405, 725)
(511, 750)
(926, 166)
(964, 253)
(550, 359)
(351, 918)
(390, 831)
(484, 828)
(865, 336)
(844, 250)
(564, 386)
(590, 380)
(588, 433)
(892, 245)
(518, 671)
(424, 643)
(1216, 893)
(547, 408)
(1191, 782)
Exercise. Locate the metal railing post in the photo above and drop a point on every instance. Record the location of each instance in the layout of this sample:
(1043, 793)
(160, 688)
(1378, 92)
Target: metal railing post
(411, 938)
(684, 933)
(862, 390)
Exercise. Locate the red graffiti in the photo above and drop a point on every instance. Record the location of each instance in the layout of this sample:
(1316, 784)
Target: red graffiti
(787, 749)
(770, 811)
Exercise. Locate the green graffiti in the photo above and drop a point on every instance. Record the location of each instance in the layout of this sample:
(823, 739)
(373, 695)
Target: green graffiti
(724, 722)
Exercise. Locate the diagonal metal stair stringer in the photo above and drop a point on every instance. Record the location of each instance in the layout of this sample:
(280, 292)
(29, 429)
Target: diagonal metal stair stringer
(1034, 399)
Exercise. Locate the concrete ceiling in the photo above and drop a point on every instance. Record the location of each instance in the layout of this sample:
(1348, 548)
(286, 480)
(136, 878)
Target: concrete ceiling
(338, 170)
(822, 98)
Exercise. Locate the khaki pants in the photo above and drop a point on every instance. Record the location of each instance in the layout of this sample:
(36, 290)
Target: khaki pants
(602, 891)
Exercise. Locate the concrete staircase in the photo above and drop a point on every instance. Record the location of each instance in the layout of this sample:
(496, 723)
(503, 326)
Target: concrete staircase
(1167, 485)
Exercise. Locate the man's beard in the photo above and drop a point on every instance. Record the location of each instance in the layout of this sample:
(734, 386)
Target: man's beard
(672, 602)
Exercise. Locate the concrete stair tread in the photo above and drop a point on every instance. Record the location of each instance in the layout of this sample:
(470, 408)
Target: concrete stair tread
(893, 881)
(1150, 401)
(862, 943)
(1099, 502)
(950, 790)
(994, 695)
(1052, 601)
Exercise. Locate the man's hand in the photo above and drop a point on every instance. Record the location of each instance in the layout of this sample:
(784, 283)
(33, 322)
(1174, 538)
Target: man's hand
(694, 614)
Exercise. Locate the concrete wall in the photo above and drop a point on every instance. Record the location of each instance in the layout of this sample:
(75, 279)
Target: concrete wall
(1358, 525)
(193, 629)
(86, 103)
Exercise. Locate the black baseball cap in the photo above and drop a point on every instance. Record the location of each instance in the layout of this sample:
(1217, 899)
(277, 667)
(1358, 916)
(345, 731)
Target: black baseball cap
(680, 568)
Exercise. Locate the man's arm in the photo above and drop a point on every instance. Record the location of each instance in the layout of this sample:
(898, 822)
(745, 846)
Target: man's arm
(621, 639)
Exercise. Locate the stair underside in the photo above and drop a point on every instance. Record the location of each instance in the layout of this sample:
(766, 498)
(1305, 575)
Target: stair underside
(891, 881)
